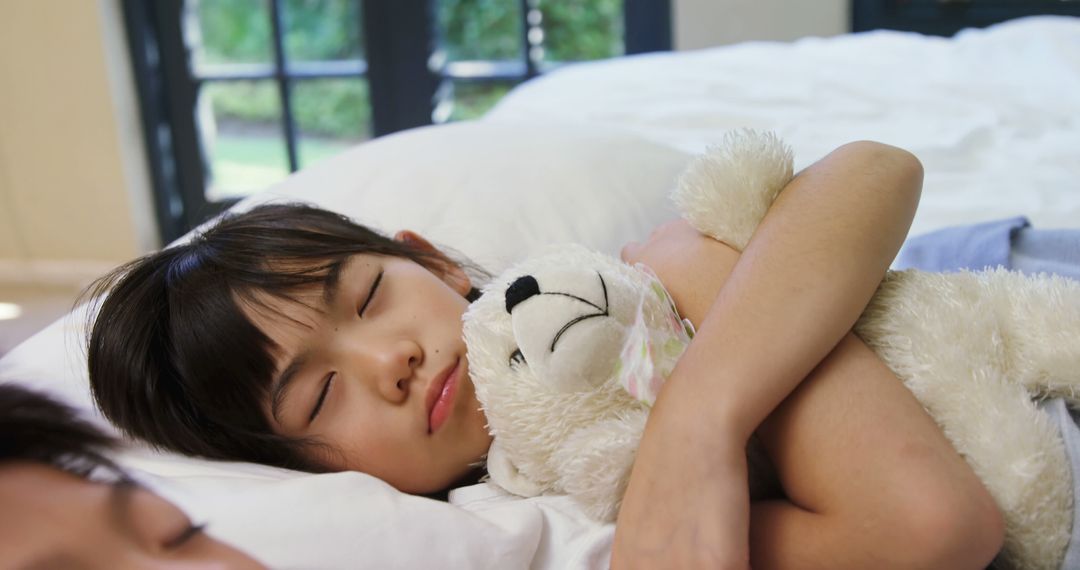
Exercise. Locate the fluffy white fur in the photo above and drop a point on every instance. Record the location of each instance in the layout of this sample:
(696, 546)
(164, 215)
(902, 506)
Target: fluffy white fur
(576, 434)
(976, 348)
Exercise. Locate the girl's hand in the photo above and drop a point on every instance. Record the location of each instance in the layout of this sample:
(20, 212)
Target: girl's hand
(691, 266)
(666, 239)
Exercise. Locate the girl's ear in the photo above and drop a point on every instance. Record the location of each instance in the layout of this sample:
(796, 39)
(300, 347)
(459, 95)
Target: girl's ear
(451, 272)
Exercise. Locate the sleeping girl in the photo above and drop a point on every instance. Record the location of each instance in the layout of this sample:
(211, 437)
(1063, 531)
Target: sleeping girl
(291, 336)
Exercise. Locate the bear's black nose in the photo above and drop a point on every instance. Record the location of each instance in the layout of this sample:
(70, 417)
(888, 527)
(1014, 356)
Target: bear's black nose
(522, 288)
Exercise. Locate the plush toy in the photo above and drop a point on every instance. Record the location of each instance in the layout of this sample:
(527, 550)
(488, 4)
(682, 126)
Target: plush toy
(568, 350)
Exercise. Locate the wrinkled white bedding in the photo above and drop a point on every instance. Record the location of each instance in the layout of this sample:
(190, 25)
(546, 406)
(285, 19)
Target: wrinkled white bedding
(993, 114)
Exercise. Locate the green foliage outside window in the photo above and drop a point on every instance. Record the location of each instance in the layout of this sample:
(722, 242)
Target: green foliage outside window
(575, 30)
(578, 30)
(480, 29)
(239, 31)
(335, 108)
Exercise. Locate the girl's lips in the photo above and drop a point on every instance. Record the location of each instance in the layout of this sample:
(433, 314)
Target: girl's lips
(444, 389)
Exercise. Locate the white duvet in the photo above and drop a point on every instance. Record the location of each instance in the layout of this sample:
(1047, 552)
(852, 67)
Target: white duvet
(993, 114)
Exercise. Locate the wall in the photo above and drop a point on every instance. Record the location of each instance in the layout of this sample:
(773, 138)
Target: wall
(704, 23)
(74, 198)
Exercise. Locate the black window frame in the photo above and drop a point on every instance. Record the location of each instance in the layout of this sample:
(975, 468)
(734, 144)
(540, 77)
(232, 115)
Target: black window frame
(404, 89)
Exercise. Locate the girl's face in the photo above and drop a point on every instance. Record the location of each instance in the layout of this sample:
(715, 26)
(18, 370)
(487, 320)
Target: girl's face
(375, 367)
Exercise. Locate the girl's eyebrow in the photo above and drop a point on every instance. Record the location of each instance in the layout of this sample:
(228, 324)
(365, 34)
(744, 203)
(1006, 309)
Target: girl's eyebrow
(332, 282)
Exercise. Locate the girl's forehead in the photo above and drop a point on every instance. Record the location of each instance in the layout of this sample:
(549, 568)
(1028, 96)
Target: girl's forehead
(299, 304)
(290, 318)
(288, 321)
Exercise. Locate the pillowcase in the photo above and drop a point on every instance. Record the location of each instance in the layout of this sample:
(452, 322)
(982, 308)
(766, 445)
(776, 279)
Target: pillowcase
(494, 192)
(498, 191)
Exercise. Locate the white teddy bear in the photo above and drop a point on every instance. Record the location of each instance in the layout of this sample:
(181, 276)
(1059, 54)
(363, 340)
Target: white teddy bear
(568, 349)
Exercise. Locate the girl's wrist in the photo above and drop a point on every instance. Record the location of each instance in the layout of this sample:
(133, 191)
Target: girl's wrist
(705, 411)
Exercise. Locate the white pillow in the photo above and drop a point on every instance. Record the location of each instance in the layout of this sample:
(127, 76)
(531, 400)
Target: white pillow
(498, 191)
(493, 191)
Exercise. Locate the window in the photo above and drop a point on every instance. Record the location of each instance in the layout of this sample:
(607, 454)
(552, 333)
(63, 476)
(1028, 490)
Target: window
(256, 125)
(236, 94)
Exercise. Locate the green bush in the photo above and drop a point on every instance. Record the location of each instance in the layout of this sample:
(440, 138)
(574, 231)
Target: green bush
(323, 30)
(332, 107)
(239, 31)
(251, 101)
(321, 107)
(472, 100)
(576, 30)
(234, 30)
(480, 29)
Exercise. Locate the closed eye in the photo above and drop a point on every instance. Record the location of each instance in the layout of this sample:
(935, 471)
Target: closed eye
(516, 358)
(188, 533)
(371, 294)
(322, 397)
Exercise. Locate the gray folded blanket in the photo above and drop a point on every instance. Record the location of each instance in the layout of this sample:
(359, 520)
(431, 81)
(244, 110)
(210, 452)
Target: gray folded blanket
(1011, 243)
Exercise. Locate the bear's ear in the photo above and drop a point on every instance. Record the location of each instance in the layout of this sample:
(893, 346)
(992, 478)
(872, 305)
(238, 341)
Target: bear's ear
(505, 474)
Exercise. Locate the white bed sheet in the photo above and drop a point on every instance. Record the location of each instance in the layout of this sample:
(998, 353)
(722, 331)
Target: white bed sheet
(993, 114)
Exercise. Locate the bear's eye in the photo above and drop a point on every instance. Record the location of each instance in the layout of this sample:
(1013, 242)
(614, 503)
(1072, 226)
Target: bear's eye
(516, 358)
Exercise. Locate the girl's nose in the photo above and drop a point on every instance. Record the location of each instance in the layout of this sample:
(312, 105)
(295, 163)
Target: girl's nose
(396, 368)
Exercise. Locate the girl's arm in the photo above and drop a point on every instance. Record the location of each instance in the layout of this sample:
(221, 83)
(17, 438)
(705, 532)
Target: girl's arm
(805, 276)
(869, 478)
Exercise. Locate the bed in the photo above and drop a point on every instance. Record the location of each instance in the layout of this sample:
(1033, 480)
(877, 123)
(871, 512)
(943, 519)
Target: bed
(586, 154)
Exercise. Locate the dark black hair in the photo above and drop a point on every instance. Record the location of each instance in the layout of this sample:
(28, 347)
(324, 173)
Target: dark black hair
(173, 358)
(36, 428)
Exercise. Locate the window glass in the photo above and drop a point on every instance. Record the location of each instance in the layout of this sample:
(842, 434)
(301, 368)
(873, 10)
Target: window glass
(228, 32)
(464, 100)
(481, 48)
(330, 115)
(577, 30)
(240, 128)
(323, 30)
(479, 29)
